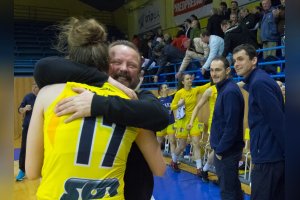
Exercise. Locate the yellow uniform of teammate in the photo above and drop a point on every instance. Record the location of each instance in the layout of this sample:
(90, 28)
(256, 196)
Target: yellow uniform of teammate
(167, 131)
(190, 99)
(84, 159)
(170, 129)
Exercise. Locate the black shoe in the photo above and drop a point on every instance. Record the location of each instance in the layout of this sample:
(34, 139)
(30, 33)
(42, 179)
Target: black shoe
(174, 166)
(216, 182)
(204, 176)
(199, 173)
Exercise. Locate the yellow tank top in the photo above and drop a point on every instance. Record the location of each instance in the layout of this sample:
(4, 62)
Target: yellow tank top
(86, 158)
(190, 98)
(212, 102)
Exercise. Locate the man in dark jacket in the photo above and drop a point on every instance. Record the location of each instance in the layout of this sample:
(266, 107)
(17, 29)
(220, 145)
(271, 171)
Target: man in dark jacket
(266, 122)
(226, 137)
(234, 36)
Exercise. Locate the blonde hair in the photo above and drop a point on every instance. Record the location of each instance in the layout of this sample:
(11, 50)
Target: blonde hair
(84, 41)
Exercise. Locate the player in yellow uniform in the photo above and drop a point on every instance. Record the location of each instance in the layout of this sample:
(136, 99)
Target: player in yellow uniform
(209, 95)
(185, 99)
(86, 158)
(87, 155)
(166, 100)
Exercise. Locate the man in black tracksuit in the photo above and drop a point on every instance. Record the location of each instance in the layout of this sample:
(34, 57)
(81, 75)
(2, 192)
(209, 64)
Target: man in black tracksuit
(226, 137)
(234, 36)
(267, 126)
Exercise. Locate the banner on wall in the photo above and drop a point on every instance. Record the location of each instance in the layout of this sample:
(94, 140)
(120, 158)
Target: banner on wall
(183, 9)
(149, 17)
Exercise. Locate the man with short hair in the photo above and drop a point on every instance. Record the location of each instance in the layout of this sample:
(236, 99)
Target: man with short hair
(124, 57)
(226, 137)
(267, 125)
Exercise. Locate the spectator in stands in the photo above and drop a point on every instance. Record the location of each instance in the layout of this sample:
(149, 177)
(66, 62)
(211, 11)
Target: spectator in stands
(193, 17)
(168, 55)
(154, 56)
(226, 137)
(184, 102)
(269, 32)
(234, 36)
(167, 38)
(249, 20)
(188, 28)
(233, 19)
(216, 48)
(25, 109)
(180, 41)
(214, 23)
(224, 12)
(195, 32)
(267, 124)
(136, 41)
(279, 14)
(234, 8)
(200, 51)
(144, 46)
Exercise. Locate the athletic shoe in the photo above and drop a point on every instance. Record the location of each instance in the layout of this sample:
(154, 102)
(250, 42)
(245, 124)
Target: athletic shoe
(20, 176)
(204, 176)
(199, 173)
(174, 166)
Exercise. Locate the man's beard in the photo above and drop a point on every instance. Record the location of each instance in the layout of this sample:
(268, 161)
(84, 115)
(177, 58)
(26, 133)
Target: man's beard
(126, 80)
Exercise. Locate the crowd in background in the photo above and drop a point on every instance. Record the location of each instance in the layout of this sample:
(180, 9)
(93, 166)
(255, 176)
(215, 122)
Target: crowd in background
(262, 27)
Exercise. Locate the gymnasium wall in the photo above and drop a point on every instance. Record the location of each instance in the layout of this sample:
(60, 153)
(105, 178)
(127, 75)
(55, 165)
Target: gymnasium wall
(47, 10)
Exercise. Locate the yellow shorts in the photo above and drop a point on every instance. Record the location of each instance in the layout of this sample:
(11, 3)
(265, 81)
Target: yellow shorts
(182, 132)
(169, 130)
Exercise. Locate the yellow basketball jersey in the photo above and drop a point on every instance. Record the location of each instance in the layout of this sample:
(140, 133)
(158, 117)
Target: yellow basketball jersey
(86, 158)
(190, 98)
(212, 102)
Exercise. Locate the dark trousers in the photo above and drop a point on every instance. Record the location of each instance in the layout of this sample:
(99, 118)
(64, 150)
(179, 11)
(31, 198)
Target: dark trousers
(228, 175)
(23, 149)
(267, 181)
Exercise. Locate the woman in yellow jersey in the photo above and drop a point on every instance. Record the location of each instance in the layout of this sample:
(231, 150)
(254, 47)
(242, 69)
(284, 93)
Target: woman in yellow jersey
(209, 95)
(184, 102)
(86, 158)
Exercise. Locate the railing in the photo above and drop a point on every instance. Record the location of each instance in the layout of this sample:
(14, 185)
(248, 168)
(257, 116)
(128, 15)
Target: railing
(173, 84)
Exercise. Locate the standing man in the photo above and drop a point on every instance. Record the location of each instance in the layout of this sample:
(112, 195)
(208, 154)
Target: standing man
(269, 33)
(266, 122)
(226, 137)
(25, 108)
(123, 56)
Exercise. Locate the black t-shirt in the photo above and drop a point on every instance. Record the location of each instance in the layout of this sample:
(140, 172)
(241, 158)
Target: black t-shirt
(138, 177)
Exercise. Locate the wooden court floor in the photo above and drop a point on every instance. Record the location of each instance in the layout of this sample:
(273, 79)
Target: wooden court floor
(26, 189)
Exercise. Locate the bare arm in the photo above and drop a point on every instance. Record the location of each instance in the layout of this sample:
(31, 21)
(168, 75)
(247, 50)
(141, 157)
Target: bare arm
(150, 149)
(35, 141)
(199, 105)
